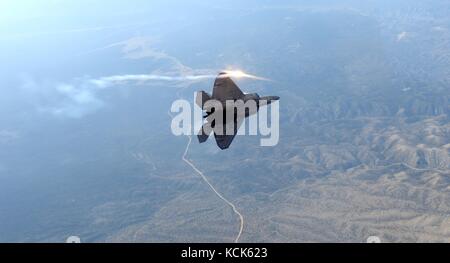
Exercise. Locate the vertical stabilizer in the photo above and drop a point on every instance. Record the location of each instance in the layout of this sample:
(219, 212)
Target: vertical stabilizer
(201, 98)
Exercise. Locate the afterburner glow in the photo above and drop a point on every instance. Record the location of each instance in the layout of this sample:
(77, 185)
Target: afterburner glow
(241, 74)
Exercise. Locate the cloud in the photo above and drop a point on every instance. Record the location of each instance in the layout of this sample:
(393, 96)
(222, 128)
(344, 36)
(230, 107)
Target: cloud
(439, 29)
(79, 97)
(401, 36)
(140, 47)
(77, 100)
(73, 100)
(7, 136)
(82, 96)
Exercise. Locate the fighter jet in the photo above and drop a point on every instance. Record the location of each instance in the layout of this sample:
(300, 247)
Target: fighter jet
(226, 90)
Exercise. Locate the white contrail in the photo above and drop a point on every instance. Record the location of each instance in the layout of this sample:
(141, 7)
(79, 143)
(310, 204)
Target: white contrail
(82, 96)
(120, 79)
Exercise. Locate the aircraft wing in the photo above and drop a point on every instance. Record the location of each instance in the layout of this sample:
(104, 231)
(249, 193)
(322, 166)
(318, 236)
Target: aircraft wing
(224, 141)
(225, 89)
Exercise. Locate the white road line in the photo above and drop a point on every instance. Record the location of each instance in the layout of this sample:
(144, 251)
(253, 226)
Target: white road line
(205, 179)
(241, 228)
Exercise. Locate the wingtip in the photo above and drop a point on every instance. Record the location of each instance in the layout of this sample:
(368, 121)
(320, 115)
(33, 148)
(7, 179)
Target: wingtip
(223, 147)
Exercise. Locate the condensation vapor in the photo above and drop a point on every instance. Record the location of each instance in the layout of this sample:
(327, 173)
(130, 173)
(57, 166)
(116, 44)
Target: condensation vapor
(120, 79)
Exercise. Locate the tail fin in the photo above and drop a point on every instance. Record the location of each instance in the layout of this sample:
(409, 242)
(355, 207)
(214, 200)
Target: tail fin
(201, 98)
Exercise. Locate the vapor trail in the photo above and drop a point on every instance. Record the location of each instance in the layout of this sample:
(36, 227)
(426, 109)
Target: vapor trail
(120, 79)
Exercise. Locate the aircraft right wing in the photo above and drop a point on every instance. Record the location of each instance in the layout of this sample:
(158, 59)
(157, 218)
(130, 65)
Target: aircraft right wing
(224, 141)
